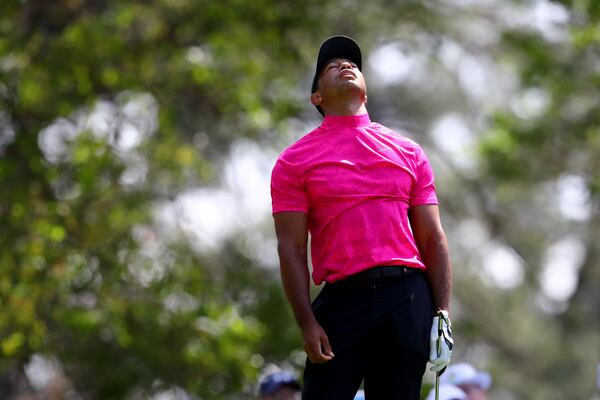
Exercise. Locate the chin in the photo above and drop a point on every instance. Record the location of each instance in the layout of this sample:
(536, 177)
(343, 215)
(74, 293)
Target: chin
(355, 86)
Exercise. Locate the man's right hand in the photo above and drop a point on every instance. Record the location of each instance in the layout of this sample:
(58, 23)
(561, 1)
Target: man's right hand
(292, 238)
(316, 344)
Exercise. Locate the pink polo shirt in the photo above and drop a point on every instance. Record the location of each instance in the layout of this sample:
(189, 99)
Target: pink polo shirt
(355, 180)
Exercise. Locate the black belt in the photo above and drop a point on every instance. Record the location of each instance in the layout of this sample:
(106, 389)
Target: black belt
(380, 273)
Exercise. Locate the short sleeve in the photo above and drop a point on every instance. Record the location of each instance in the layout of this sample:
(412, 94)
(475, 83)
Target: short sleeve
(287, 191)
(423, 190)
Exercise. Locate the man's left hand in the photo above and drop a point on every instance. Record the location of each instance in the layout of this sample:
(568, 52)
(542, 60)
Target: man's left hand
(440, 343)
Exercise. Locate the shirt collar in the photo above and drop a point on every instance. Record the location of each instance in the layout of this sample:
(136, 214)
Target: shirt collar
(345, 121)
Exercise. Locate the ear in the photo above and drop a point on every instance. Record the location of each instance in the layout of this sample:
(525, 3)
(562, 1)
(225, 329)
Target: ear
(316, 98)
(366, 98)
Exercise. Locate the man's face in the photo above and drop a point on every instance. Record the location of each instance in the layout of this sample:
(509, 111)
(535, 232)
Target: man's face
(340, 74)
(474, 392)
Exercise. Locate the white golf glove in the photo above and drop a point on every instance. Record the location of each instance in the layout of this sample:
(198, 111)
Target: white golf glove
(440, 342)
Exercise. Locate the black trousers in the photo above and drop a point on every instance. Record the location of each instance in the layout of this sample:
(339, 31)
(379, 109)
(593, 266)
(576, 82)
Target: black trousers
(378, 323)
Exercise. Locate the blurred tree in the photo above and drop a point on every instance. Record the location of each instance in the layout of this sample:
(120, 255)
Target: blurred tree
(521, 198)
(109, 109)
(103, 105)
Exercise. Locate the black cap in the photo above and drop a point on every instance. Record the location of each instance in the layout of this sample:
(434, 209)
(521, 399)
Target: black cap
(338, 46)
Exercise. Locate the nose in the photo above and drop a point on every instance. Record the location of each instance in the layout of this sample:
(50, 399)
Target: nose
(345, 65)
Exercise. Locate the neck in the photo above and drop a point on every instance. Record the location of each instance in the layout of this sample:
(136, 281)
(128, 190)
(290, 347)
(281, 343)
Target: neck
(349, 108)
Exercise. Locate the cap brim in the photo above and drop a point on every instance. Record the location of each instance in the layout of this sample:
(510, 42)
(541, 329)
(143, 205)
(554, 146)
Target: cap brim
(337, 47)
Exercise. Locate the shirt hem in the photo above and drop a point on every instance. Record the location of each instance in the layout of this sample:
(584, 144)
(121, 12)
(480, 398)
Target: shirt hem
(290, 210)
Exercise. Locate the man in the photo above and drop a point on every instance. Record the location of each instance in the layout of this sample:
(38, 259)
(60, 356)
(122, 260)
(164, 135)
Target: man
(474, 383)
(280, 385)
(355, 185)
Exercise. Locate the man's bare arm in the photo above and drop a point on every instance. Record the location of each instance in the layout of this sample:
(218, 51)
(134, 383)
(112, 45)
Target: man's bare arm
(433, 248)
(292, 236)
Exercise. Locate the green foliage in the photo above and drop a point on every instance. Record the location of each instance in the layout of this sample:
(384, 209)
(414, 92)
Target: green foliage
(526, 154)
(88, 276)
(83, 276)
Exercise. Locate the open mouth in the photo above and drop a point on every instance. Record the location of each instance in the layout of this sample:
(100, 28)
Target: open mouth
(347, 73)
